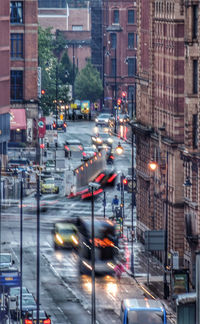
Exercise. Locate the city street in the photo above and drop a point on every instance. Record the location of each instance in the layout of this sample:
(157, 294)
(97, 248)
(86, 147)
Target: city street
(64, 294)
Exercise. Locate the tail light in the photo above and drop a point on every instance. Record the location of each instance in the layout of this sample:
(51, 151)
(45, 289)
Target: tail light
(64, 125)
(28, 321)
(47, 321)
(66, 148)
(111, 157)
(84, 154)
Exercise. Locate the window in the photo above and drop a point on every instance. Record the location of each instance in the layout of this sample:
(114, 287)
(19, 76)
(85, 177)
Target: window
(195, 130)
(131, 16)
(113, 40)
(16, 45)
(16, 86)
(77, 27)
(130, 40)
(16, 12)
(195, 76)
(132, 66)
(116, 16)
(195, 22)
(113, 67)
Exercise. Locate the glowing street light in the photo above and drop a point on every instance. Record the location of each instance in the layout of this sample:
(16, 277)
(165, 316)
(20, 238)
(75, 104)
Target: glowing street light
(153, 165)
(119, 149)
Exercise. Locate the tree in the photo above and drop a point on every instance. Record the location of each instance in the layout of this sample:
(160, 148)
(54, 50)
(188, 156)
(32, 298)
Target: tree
(56, 69)
(88, 85)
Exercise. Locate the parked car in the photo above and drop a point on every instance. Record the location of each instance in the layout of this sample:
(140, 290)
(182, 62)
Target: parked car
(105, 120)
(65, 235)
(31, 317)
(48, 186)
(6, 260)
(88, 152)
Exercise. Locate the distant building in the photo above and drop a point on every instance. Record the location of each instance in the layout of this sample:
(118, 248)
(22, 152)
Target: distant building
(73, 19)
(120, 53)
(23, 70)
(4, 80)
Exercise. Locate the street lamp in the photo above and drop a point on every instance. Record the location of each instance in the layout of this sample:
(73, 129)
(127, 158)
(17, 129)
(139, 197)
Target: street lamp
(92, 186)
(153, 167)
(119, 149)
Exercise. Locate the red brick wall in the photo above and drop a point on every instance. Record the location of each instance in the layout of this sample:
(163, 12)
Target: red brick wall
(5, 57)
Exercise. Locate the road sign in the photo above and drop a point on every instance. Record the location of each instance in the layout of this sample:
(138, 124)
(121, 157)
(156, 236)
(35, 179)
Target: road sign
(10, 278)
(154, 240)
(40, 124)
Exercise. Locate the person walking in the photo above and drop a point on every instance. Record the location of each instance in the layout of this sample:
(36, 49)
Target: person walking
(115, 203)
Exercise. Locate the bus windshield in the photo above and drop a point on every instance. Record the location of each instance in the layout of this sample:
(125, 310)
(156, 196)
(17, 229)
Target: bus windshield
(145, 316)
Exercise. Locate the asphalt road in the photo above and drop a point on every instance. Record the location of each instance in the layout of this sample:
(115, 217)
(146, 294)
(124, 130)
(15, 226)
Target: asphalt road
(63, 292)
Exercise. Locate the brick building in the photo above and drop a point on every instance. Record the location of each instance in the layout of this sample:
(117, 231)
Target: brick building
(190, 150)
(73, 19)
(23, 70)
(4, 80)
(159, 126)
(119, 51)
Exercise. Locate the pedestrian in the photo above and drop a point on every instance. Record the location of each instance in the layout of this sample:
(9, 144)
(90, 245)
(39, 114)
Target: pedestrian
(119, 269)
(115, 203)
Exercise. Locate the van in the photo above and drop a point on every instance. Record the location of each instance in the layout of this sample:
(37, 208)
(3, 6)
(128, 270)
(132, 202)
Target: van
(73, 148)
(148, 311)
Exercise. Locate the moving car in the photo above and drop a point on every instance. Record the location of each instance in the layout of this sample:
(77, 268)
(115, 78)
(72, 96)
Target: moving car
(61, 126)
(105, 120)
(101, 138)
(88, 152)
(48, 186)
(30, 318)
(13, 296)
(50, 165)
(123, 119)
(65, 235)
(73, 148)
(28, 305)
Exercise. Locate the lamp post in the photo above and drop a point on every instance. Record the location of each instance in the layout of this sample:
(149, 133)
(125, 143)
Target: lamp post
(21, 241)
(38, 249)
(56, 94)
(92, 186)
(73, 54)
(133, 202)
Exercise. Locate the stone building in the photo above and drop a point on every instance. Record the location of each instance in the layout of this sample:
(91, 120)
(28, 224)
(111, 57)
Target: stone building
(190, 150)
(4, 80)
(119, 52)
(23, 71)
(159, 126)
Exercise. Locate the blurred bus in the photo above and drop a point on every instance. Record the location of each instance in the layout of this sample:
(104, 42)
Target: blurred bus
(147, 311)
(105, 241)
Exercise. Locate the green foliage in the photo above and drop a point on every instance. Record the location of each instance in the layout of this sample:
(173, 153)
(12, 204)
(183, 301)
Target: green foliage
(56, 69)
(88, 85)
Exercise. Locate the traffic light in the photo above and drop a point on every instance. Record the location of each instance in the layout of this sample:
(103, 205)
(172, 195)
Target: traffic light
(42, 91)
(42, 146)
(119, 101)
(124, 94)
(54, 125)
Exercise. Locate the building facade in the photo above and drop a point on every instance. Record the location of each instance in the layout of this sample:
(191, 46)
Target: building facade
(159, 127)
(190, 150)
(119, 52)
(24, 70)
(4, 80)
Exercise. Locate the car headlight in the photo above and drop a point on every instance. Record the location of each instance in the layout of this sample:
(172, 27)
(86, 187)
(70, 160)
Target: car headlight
(121, 120)
(106, 120)
(99, 140)
(96, 120)
(110, 140)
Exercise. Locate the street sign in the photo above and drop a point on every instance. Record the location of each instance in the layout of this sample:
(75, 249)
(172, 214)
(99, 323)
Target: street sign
(10, 278)
(40, 124)
(154, 240)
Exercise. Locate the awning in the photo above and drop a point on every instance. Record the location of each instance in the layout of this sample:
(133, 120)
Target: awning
(17, 119)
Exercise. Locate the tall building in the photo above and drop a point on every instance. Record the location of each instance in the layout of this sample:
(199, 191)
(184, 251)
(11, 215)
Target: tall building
(23, 70)
(159, 127)
(119, 53)
(4, 80)
(190, 150)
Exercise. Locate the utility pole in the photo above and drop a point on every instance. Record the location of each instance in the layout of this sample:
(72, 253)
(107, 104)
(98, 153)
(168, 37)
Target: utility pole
(73, 54)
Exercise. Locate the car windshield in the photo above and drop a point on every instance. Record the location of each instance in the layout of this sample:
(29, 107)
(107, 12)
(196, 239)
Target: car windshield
(89, 149)
(28, 301)
(49, 181)
(104, 135)
(67, 231)
(104, 116)
(147, 317)
(5, 258)
(16, 291)
(42, 315)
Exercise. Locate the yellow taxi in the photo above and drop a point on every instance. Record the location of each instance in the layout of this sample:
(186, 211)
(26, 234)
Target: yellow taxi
(65, 235)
